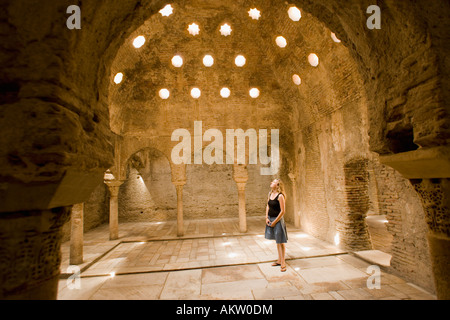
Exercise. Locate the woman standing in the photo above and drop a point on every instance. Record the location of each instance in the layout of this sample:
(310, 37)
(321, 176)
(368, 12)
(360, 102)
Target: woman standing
(275, 225)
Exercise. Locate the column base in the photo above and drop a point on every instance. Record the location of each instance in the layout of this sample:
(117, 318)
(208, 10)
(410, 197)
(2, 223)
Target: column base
(30, 255)
(440, 260)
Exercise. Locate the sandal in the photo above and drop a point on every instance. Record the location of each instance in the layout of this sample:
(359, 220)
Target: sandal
(283, 269)
(275, 264)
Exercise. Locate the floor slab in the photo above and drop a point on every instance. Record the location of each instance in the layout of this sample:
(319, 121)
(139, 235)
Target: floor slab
(219, 265)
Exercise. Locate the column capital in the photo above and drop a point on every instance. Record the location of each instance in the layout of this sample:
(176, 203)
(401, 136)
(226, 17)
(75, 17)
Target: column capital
(113, 187)
(114, 183)
(179, 183)
(77, 207)
(426, 163)
(241, 185)
(240, 173)
(178, 173)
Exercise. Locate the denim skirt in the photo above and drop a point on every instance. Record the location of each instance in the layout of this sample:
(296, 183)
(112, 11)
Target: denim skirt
(277, 233)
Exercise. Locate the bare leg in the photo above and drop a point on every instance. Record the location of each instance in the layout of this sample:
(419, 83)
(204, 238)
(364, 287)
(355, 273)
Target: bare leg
(282, 253)
(279, 261)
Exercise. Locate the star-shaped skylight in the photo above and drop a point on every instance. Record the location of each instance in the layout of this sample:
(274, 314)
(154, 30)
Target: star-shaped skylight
(166, 11)
(194, 29)
(255, 14)
(225, 30)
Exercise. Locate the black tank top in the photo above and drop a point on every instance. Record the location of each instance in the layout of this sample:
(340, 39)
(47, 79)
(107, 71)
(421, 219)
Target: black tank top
(274, 207)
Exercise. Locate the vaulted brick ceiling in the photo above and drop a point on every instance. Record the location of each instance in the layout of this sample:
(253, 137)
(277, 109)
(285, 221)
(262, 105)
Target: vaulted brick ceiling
(135, 105)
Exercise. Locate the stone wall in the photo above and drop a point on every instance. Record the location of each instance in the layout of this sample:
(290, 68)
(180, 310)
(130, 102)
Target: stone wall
(340, 185)
(210, 192)
(334, 180)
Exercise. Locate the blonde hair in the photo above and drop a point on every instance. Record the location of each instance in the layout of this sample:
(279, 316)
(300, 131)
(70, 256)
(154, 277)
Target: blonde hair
(280, 188)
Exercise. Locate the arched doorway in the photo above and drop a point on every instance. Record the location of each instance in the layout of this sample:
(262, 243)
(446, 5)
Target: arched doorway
(148, 194)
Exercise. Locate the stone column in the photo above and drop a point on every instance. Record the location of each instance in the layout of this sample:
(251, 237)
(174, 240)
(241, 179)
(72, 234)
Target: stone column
(180, 223)
(179, 180)
(76, 234)
(242, 211)
(240, 176)
(114, 187)
(30, 256)
(294, 200)
(351, 223)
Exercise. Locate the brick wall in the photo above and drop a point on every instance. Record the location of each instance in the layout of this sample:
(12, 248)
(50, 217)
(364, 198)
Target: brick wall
(398, 200)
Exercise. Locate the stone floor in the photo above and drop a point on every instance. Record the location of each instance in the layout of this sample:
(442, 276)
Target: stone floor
(214, 261)
(380, 237)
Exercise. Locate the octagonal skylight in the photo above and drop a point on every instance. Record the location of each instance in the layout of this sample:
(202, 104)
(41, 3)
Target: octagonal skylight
(296, 79)
(281, 42)
(208, 61)
(294, 14)
(164, 94)
(118, 78)
(177, 61)
(240, 61)
(196, 93)
(254, 93)
(313, 60)
(225, 93)
(139, 42)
